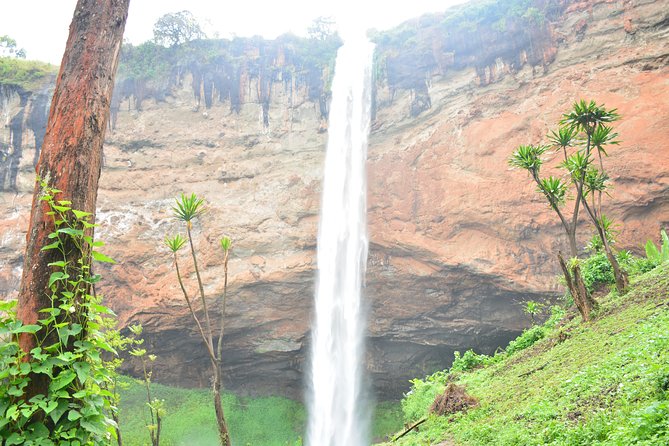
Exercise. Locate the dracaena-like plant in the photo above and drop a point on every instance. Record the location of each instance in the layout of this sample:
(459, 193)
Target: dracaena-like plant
(582, 130)
(186, 209)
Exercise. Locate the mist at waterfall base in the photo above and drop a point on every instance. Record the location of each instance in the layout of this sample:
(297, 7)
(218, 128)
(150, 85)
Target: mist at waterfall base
(339, 412)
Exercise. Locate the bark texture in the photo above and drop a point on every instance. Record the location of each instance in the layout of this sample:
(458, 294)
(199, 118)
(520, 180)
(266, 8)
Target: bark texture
(71, 154)
(582, 298)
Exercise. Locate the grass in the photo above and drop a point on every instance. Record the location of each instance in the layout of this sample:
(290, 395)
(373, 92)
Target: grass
(600, 383)
(190, 421)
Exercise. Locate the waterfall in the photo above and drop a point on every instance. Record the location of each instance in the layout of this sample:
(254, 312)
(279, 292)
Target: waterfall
(338, 411)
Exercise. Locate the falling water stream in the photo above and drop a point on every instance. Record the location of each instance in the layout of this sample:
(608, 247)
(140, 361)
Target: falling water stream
(338, 411)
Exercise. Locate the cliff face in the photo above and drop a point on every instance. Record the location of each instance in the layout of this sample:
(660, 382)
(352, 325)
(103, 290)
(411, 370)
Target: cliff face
(457, 240)
(23, 115)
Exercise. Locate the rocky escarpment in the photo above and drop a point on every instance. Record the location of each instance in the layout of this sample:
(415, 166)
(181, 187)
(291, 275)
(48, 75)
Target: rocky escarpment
(457, 240)
(22, 111)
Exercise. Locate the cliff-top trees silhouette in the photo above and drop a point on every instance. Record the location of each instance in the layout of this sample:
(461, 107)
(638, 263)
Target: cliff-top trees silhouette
(175, 28)
(582, 131)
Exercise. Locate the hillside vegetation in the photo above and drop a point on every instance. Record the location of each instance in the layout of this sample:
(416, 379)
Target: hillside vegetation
(29, 75)
(600, 383)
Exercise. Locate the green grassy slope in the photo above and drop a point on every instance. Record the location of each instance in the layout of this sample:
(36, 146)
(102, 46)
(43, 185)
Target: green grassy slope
(600, 383)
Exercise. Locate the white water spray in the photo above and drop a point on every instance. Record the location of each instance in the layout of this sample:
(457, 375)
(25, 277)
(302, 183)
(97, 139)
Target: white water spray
(338, 412)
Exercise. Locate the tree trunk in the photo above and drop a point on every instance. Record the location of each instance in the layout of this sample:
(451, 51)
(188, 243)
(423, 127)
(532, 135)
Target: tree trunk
(620, 276)
(582, 299)
(223, 433)
(72, 150)
(622, 280)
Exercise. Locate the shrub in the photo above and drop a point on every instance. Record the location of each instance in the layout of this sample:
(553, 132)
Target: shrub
(417, 401)
(470, 360)
(596, 270)
(526, 339)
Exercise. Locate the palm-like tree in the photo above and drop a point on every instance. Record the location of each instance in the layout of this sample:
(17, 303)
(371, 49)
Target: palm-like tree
(590, 119)
(582, 130)
(187, 209)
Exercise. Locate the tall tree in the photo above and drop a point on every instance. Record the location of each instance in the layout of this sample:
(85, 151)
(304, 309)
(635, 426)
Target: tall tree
(176, 28)
(71, 155)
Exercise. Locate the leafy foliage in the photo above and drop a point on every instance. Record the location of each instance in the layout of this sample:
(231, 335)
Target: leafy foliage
(595, 244)
(605, 383)
(469, 361)
(597, 269)
(173, 29)
(25, 74)
(587, 117)
(220, 68)
(656, 255)
(77, 408)
(188, 208)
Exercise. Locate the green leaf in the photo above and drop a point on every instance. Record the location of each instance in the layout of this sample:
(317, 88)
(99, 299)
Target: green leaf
(73, 414)
(14, 439)
(63, 379)
(652, 253)
(188, 207)
(60, 208)
(58, 411)
(12, 412)
(14, 391)
(83, 370)
(50, 407)
(94, 428)
(226, 243)
(39, 431)
(98, 256)
(7, 305)
(58, 275)
(101, 309)
(53, 245)
(175, 243)
(71, 231)
(80, 214)
(32, 328)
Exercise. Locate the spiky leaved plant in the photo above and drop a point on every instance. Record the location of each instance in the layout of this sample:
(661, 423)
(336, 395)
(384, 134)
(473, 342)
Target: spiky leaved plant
(187, 209)
(582, 131)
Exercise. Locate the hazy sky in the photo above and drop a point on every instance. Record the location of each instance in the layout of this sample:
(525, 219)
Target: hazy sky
(41, 26)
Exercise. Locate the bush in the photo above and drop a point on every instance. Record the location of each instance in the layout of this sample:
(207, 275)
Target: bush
(417, 401)
(526, 339)
(470, 360)
(597, 270)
